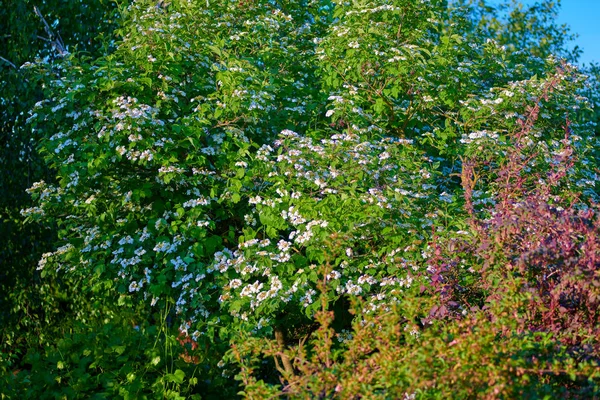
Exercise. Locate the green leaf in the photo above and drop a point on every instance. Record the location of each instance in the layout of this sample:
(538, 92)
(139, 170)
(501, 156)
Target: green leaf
(177, 377)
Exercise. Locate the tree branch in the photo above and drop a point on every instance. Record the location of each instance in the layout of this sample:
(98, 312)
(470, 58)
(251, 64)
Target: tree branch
(56, 40)
(285, 360)
(44, 39)
(8, 62)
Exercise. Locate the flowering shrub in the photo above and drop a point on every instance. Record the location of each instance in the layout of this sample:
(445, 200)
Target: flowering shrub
(315, 206)
(338, 205)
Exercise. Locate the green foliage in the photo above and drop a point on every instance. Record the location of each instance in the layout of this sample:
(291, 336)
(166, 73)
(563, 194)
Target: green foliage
(313, 199)
(33, 311)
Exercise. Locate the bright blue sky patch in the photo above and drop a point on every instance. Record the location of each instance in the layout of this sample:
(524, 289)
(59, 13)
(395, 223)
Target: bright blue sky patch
(583, 17)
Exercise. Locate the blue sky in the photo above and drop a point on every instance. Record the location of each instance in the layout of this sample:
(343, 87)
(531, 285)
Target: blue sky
(583, 17)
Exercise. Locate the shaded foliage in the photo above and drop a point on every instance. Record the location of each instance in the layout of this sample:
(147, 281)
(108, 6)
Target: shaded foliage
(288, 198)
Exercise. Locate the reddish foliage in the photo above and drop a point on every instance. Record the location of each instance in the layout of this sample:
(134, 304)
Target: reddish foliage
(189, 345)
(550, 244)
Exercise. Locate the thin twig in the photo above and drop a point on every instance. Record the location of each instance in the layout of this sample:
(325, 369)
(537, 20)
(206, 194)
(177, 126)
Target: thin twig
(44, 39)
(8, 62)
(54, 39)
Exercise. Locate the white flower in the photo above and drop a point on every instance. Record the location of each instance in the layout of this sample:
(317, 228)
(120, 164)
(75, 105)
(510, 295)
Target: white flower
(283, 245)
(255, 200)
(334, 275)
(135, 138)
(353, 289)
(134, 287)
(43, 260)
(235, 283)
(329, 113)
(384, 156)
(288, 133)
(202, 201)
(262, 296)
(146, 155)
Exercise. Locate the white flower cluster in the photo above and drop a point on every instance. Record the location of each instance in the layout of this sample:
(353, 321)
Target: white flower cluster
(479, 136)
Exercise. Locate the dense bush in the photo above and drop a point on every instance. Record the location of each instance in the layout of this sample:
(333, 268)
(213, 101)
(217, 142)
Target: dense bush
(318, 199)
(33, 32)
